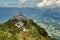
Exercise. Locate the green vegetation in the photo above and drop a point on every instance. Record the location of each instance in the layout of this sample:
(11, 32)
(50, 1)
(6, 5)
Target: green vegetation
(10, 32)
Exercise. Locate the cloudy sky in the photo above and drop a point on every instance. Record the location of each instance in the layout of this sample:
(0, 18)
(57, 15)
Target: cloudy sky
(30, 3)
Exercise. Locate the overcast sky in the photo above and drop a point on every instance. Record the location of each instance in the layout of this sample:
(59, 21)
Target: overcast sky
(30, 3)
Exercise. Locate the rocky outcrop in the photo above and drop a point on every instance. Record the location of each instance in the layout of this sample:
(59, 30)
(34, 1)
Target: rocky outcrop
(18, 21)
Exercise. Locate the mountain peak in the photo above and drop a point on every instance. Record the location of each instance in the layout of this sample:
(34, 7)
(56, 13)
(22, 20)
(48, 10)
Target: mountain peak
(20, 17)
(20, 13)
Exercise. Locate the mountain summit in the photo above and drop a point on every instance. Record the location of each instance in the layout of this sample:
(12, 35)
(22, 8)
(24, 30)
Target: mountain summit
(20, 16)
(18, 21)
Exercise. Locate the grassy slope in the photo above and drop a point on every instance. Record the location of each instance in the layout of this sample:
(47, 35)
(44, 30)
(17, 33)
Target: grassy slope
(10, 32)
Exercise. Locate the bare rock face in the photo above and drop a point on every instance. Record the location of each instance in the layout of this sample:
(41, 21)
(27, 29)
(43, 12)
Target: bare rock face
(19, 24)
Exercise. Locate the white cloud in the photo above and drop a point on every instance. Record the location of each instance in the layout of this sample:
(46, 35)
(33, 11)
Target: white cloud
(49, 3)
(22, 1)
(4, 3)
(8, 5)
(19, 4)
